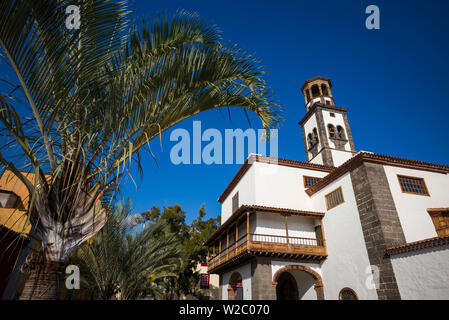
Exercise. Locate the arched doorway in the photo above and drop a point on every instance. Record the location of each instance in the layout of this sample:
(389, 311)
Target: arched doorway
(317, 281)
(235, 287)
(287, 288)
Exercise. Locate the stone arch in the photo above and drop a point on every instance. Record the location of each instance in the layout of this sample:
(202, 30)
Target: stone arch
(324, 90)
(286, 281)
(319, 287)
(315, 91)
(235, 287)
(341, 132)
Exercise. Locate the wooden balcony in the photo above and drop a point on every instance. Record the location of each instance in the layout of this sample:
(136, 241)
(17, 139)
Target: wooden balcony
(269, 245)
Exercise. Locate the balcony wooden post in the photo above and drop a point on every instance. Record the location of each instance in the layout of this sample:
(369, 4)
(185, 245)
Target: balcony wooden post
(323, 240)
(219, 251)
(286, 231)
(227, 243)
(236, 234)
(247, 228)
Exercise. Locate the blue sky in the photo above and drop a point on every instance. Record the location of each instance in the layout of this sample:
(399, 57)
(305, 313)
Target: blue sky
(393, 82)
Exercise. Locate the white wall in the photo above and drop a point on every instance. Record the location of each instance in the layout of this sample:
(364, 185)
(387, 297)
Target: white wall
(271, 185)
(245, 272)
(246, 189)
(318, 159)
(412, 209)
(347, 258)
(340, 157)
(306, 285)
(423, 274)
(283, 186)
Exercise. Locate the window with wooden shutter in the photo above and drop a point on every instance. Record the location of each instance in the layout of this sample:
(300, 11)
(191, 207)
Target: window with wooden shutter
(440, 219)
(334, 198)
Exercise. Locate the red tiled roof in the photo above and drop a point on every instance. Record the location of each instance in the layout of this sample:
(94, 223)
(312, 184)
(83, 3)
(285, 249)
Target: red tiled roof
(375, 158)
(418, 245)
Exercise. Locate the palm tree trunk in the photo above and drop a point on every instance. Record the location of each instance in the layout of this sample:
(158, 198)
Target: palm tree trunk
(44, 281)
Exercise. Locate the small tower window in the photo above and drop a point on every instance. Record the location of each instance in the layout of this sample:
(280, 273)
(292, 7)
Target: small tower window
(324, 90)
(331, 129)
(315, 91)
(315, 136)
(341, 132)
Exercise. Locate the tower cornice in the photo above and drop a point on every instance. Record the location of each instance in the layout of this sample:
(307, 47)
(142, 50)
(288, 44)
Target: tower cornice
(322, 106)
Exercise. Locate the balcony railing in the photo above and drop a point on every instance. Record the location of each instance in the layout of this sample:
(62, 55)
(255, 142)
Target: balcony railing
(305, 248)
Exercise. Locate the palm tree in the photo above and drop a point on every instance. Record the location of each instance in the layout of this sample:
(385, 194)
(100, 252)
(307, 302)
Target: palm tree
(124, 260)
(93, 99)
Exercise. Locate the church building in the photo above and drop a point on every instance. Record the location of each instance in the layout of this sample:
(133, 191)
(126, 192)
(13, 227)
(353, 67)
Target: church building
(344, 225)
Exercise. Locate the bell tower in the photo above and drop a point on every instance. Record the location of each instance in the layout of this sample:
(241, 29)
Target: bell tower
(325, 127)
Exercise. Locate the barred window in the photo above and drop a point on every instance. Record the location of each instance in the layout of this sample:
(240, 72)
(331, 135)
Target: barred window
(235, 202)
(310, 181)
(347, 294)
(413, 185)
(334, 198)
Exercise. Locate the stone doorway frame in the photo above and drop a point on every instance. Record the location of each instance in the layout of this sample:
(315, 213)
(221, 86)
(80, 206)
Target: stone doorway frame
(319, 287)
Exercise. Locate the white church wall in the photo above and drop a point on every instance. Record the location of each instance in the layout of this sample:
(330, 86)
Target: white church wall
(318, 159)
(340, 157)
(347, 261)
(284, 187)
(306, 285)
(304, 281)
(423, 274)
(412, 209)
(245, 272)
(246, 189)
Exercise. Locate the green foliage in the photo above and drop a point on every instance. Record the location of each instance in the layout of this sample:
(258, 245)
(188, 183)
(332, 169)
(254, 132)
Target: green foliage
(191, 238)
(126, 260)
